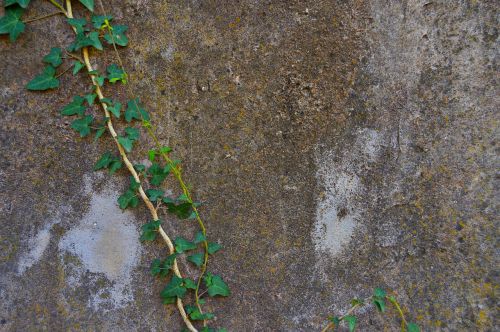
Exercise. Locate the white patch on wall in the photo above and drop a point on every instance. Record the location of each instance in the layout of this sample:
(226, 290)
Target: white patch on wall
(338, 212)
(106, 242)
(38, 246)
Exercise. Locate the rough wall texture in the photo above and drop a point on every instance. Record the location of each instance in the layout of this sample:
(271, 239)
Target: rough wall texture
(339, 145)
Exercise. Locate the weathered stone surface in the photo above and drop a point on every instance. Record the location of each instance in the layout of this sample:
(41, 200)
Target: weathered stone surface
(339, 146)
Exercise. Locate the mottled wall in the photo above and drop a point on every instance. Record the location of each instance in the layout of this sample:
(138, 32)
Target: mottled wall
(339, 145)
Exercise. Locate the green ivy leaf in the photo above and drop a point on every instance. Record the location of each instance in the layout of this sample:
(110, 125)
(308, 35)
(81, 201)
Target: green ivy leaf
(189, 284)
(182, 245)
(82, 125)
(117, 35)
(77, 66)
(127, 199)
(412, 327)
(196, 259)
(115, 109)
(216, 286)
(335, 320)
(83, 40)
(98, 21)
(356, 302)
(199, 237)
(89, 4)
(135, 111)
(99, 80)
(351, 320)
(379, 303)
(22, 3)
(54, 57)
(195, 314)
(154, 194)
(128, 140)
(79, 24)
(115, 74)
(90, 98)
(75, 107)
(44, 81)
(150, 230)
(175, 288)
(161, 268)
(213, 247)
(379, 292)
(11, 23)
(158, 173)
(107, 160)
(139, 168)
(182, 211)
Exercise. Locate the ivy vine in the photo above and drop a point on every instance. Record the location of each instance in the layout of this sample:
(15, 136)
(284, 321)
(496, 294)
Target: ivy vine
(146, 183)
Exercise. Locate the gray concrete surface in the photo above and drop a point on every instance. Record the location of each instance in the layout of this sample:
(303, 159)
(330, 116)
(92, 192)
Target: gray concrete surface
(339, 145)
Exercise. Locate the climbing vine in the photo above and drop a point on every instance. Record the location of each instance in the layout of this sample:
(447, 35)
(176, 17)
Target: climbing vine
(124, 122)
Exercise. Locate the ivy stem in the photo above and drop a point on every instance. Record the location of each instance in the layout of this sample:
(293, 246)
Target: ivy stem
(60, 7)
(176, 172)
(331, 325)
(129, 165)
(394, 302)
(43, 17)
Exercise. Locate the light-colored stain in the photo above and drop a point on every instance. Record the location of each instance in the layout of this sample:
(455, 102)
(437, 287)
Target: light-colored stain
(37, 247)
(106, 242)
(338, 212)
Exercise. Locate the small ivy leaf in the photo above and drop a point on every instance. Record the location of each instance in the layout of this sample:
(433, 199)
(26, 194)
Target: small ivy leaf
(107, 160)
(83, 40)
(335, 320)
(351, 320)
(182, 211)
(98, 21)
(380, 304)
(115, 109)
(167, 264)
(213, 247)
(154, 194)
(175, 288)
(78, 24)
(22, 3)
(379, 292)
(139, 168)
(11, 23)
(356, 302)
(189, 284)
(412, 327)
(135, 111)
(100, 132)
(151, 155)
(44, 81)
(182, 245)
(150, 230)
(133, 133)
(128, 141)
(77, 66)
(117, 35)
(99, 80)
(199, 237)
(165, 149)
(134, 185)
(89, 4)
(216, 286)
(195, 314)
(169, 300)
(90, 98)
(82, 125)
(128, 199)
(155, 267)
(196, 259)
(116, 74)
(106, 101)
(54, 57)
(158, 174)
(75, 107)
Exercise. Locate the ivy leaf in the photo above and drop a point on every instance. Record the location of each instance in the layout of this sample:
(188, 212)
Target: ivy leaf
(175, 288)
(98, 21)
(44, 81)
(213, 247)
(78, 24)
(195, 314)
(197, 259)
(110, 161)
(117, 35)
(90, 98)
(75, 107)
(158, 173)
(11, 23)
(379, 303)
(116, 73)
(127, 199)
(82, 125)
(351, 320)
(412, 327)
(182, 211)
(139, 168)
(335, 320)
(189, 284)
(128, 140)
(150, 230)
(54, 57)
(199, 237)
(154, 194)
(99, 80)
(89, 4)
(155, 267)
(216, 286)
(77, 66)
(22, 3)
(379, 292)
(356, 302)
(135, 111)
(83, 40)
(115, 109)
(182, 245)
